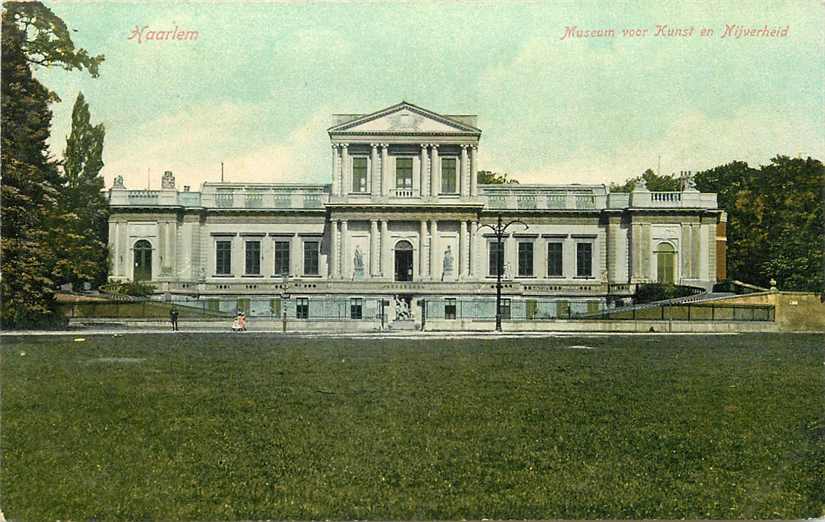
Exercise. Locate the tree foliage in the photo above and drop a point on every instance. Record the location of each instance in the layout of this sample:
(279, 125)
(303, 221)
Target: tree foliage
(33, 216)
(487, 177)
(776, 226)
(654, 182)
(85, 207)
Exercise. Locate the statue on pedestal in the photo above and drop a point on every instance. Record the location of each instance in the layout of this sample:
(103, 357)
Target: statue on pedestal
(118, 183)
(358, 263)
(402, 310)
(448, 263)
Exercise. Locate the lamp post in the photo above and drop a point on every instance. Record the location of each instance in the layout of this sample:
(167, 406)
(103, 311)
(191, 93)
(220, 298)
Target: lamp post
(499, 230)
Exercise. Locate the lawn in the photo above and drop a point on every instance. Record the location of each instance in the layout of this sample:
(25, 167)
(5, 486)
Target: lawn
(216, 427)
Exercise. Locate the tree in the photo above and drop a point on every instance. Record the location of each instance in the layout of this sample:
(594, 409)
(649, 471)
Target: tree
(31, 35)
(84, 240)
(776, 224)
(654, 182)
(487, 177)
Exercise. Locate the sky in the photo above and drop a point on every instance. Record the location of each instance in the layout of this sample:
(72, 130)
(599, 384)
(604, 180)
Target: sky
(256, 89)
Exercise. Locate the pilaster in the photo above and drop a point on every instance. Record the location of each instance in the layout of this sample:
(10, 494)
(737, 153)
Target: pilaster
(435, 171)
(374, 244)
(422, 250)
(375, 178)
(474, 170)
(425, 178)
(464, 181)
(435, 266)
(464, 250)
(346, 273)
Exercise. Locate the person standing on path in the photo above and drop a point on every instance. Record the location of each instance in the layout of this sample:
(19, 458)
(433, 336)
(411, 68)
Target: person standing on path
(173, 316)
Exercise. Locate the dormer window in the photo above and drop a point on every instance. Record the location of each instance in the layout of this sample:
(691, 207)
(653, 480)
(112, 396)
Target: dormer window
(448, 176)
(359, 174)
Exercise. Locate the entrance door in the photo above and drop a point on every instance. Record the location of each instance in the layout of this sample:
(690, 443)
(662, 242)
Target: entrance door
(143, 261)
(403, 261)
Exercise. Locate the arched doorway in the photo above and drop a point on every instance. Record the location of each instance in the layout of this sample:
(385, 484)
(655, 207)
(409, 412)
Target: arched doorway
(143, 261)
(665, 263)
(403, 261)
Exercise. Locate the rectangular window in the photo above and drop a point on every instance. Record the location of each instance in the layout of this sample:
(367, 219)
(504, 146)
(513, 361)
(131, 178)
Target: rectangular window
(496, 253)
(311, 257)
(554, 260)
(584, 259)
(449, 308)
(356, 308)
(448, 176)
(281, 257)
(563, 310)
(525, 259)
(505, 309)
(302, 308)
(223, 257)
(359, 174)
(403, 173)
(253, 258)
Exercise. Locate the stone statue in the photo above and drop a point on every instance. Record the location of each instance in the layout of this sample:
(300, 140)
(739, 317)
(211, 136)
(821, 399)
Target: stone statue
(402, 310)
(640, 185)
(448, 261)
(358, 260)
(167, 182)
(688, 183)
(118, 184)
(507, 273)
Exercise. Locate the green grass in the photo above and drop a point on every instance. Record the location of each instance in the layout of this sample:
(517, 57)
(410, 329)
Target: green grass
(252, 427)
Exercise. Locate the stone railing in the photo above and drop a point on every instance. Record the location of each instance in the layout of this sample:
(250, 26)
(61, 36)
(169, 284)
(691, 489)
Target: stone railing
(542, 199)
(273, 197)
(404, 193)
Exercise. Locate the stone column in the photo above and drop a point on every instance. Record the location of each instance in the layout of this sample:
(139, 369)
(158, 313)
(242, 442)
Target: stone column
(474, 249)
(422, 250)
(375, 178)
(464, 180)
(296, 257)
(435, 266)
(435, 171)
(114, 266)
(696, 249)
(685, 257)
(425, 179)
(464, 250)
(386, 271)
(346, 172)
(346, 273)
(474, 170)
(646, 251)
(336, 185)
(635, 252)
(385, 171)
(612, 251)
(333, 250)
(374, 241)
(540, 258)
(511, 254)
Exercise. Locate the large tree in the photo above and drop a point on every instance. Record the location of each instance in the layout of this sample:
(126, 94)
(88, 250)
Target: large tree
(31, 36)
(85, 206)
(775, 220)
(654, 182)
(488, 177)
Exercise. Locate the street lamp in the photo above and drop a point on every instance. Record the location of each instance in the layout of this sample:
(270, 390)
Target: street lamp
(499, 230)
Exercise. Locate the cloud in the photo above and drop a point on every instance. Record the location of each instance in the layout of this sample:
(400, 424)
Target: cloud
(693, 141)
(193, 142)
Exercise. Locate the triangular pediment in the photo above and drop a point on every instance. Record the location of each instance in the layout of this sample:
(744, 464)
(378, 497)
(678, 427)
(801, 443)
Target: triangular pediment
(404, 118)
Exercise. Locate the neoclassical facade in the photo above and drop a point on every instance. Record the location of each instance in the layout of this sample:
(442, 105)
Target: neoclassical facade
(402, 221)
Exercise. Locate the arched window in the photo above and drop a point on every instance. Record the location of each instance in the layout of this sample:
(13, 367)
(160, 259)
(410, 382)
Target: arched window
(143, 261)
(665, 263)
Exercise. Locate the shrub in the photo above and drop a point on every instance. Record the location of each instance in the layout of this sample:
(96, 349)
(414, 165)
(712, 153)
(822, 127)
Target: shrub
(651, 292)
(132, 288)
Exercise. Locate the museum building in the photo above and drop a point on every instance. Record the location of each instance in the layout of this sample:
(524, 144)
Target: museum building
(402, 221)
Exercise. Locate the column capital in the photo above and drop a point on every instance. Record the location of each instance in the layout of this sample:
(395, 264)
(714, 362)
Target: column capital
(474, 146)
(424, 145)
(343, 145)
(334, 146)
(375, 145)
(373, 220)
(434, 145)
(464, 145)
